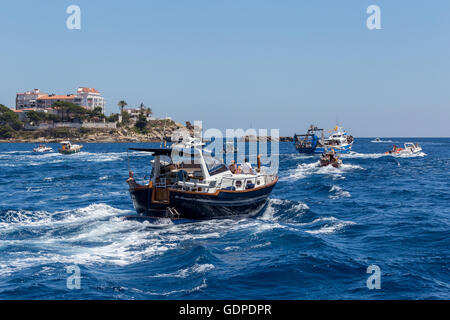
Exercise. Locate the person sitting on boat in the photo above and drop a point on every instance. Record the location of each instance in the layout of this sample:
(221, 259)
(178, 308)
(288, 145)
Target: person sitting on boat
(247, 167)
(394, 148)
(233, 167)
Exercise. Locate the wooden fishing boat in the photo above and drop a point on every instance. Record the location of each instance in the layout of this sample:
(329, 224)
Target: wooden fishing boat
(188, 183)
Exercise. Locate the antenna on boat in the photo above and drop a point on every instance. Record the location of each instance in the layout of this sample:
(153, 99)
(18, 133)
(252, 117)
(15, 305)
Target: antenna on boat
(164, 132)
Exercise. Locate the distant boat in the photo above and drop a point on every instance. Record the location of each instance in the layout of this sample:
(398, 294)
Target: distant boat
(68, 148)
(378, 140)
(42, 148)
(339, 140)
(330, 158)
(312, 143)
(408, 148)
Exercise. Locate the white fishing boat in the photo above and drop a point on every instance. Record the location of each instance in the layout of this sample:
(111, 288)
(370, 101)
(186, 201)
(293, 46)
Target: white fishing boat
(339, 140)
(42, 148)
(69, 148)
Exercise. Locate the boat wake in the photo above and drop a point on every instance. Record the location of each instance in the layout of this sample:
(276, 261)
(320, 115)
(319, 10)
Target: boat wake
(304, 170)
(357, 155)
(94, 234)
(297, 217)
(408, 155)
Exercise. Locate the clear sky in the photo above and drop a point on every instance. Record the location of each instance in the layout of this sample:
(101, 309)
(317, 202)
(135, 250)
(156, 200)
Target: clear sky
(266, 64)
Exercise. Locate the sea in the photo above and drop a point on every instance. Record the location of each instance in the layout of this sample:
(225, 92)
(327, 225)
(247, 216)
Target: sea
(376, 228)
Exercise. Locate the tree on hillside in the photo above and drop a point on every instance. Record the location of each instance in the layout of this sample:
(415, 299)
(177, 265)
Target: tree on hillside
(126, 118)
(141, 124)
(9, 118)
(145, 110)
(122, 104)
(38, 116)
(70, 111)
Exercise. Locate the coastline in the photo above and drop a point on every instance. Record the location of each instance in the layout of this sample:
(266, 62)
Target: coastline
(102, 139)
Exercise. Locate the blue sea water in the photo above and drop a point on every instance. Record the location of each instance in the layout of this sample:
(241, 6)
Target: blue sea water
(317, 236)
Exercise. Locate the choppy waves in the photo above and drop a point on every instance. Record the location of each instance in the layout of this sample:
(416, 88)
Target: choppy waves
(320, 226)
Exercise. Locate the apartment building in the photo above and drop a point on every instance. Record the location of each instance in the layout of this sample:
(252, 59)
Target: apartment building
(88, 98)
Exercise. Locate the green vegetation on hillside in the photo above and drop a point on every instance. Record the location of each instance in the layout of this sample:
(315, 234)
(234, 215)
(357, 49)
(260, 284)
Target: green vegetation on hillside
(68, 111)
(9, 122)
(141, 124)
(129, 129)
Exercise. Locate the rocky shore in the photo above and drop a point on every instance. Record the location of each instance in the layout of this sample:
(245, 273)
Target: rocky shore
(106, 137)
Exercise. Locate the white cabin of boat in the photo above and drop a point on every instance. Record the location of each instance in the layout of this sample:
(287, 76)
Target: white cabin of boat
(189, 167)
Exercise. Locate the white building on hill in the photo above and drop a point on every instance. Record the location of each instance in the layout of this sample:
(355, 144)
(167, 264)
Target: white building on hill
(88, 98)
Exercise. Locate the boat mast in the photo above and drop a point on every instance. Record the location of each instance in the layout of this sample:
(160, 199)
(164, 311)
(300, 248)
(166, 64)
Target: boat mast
(164, 132)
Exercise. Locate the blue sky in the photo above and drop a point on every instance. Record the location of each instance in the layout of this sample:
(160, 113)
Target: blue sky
(235, 64)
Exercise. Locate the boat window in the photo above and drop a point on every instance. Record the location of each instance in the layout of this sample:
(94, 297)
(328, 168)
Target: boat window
(238, 183)
(214, 166)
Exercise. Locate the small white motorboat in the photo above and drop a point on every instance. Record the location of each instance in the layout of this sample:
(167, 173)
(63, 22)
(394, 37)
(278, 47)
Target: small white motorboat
(68, 148)
(412, 147)
(42, 148)
(408, 148)
(378, 140)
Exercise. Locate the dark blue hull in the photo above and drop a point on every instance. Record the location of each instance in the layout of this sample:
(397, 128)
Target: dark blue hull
(308, 150)
(196, 205)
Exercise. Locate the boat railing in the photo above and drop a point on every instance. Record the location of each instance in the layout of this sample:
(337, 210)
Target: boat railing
(212, 186)
(267, 178)
(161, 183)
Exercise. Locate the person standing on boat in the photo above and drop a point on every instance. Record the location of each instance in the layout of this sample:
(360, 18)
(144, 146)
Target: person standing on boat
(247, 167)
(233, 167)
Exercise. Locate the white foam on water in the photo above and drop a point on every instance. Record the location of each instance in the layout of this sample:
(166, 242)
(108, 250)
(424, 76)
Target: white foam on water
(98, 157)
(409, 155)
(338, 193)
(95, 234)
(168, 293)
(262, 245)
(269, 212)
(186, 272)
(331, 228)
(304, 170)
(98, 234)
(231, 248)
(356, 155)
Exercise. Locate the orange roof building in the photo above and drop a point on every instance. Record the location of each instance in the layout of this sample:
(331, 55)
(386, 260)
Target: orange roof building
(88, 98)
